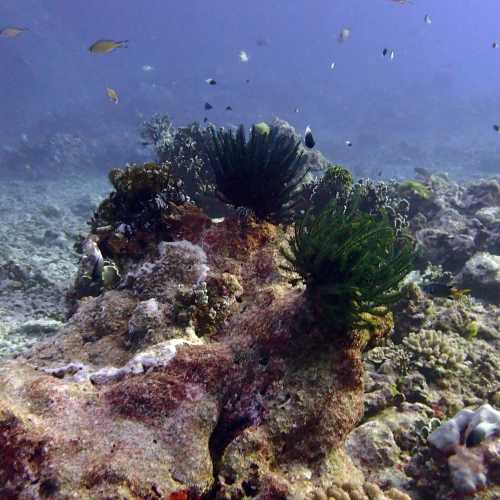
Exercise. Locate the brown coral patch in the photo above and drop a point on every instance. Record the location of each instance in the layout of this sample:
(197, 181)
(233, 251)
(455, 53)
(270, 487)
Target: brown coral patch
(350, 369)
(147, 398)
(151, 397)
(238, 239)
(187, 222)
(21, 456)
(116, 245)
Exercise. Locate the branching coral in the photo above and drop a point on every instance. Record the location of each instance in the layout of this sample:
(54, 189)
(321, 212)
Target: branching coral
(184, 149)
(382, 198)
(436, 354)
(261, 174)
(351, 263)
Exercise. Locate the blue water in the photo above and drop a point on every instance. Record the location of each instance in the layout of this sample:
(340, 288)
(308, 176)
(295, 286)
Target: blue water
(434, 105)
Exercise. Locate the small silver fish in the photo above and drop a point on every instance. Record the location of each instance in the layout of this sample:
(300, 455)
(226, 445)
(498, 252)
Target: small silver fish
(496, 128)
(211, 81)
(147, 68)
(344, 34)
(244, 57)
(494, 45)
(332, 66)
(348, 143)
(389, 52)
(427, 19)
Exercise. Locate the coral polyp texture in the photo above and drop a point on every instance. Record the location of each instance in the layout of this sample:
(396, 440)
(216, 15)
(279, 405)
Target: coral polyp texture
(261, 173)
(351, 263)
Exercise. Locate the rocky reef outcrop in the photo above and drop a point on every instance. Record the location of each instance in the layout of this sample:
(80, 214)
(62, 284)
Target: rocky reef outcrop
(191, 368)
(201, 373)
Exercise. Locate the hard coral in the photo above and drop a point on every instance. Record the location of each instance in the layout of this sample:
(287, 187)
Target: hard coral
(336, 183)
(436, 354)
(184, 149)
(351, 263)
(134, 216)
(261, 174)
(142, 195)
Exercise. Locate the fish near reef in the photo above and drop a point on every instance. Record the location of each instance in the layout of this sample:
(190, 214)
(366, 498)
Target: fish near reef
(444, 290)
(106, 46)
(308, 138)
(91, 264)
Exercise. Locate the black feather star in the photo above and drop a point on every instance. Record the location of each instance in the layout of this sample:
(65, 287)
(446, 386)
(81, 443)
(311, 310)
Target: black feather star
(261, 173)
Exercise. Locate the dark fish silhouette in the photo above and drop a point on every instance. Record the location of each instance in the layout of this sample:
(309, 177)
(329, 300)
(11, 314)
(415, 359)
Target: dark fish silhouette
(308, 138)
(437, 289)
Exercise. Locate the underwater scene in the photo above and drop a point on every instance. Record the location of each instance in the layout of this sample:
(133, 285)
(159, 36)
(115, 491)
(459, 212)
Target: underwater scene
(250, 250)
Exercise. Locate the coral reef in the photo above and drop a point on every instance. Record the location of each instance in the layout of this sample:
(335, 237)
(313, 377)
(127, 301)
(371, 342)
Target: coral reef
(455, 229)
(481, 273)
(141, 197)
(336, 183)
(203, 350)
(190, 368)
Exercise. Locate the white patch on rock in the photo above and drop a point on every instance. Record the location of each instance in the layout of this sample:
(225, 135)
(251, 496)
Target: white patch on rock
(159, 355)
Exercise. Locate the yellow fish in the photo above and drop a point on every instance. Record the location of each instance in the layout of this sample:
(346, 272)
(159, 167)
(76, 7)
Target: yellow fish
(11, 32)
(106, 46)
(113, 96)
(458, 293)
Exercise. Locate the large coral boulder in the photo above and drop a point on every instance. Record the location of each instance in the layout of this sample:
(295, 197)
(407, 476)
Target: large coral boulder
(203, 372)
